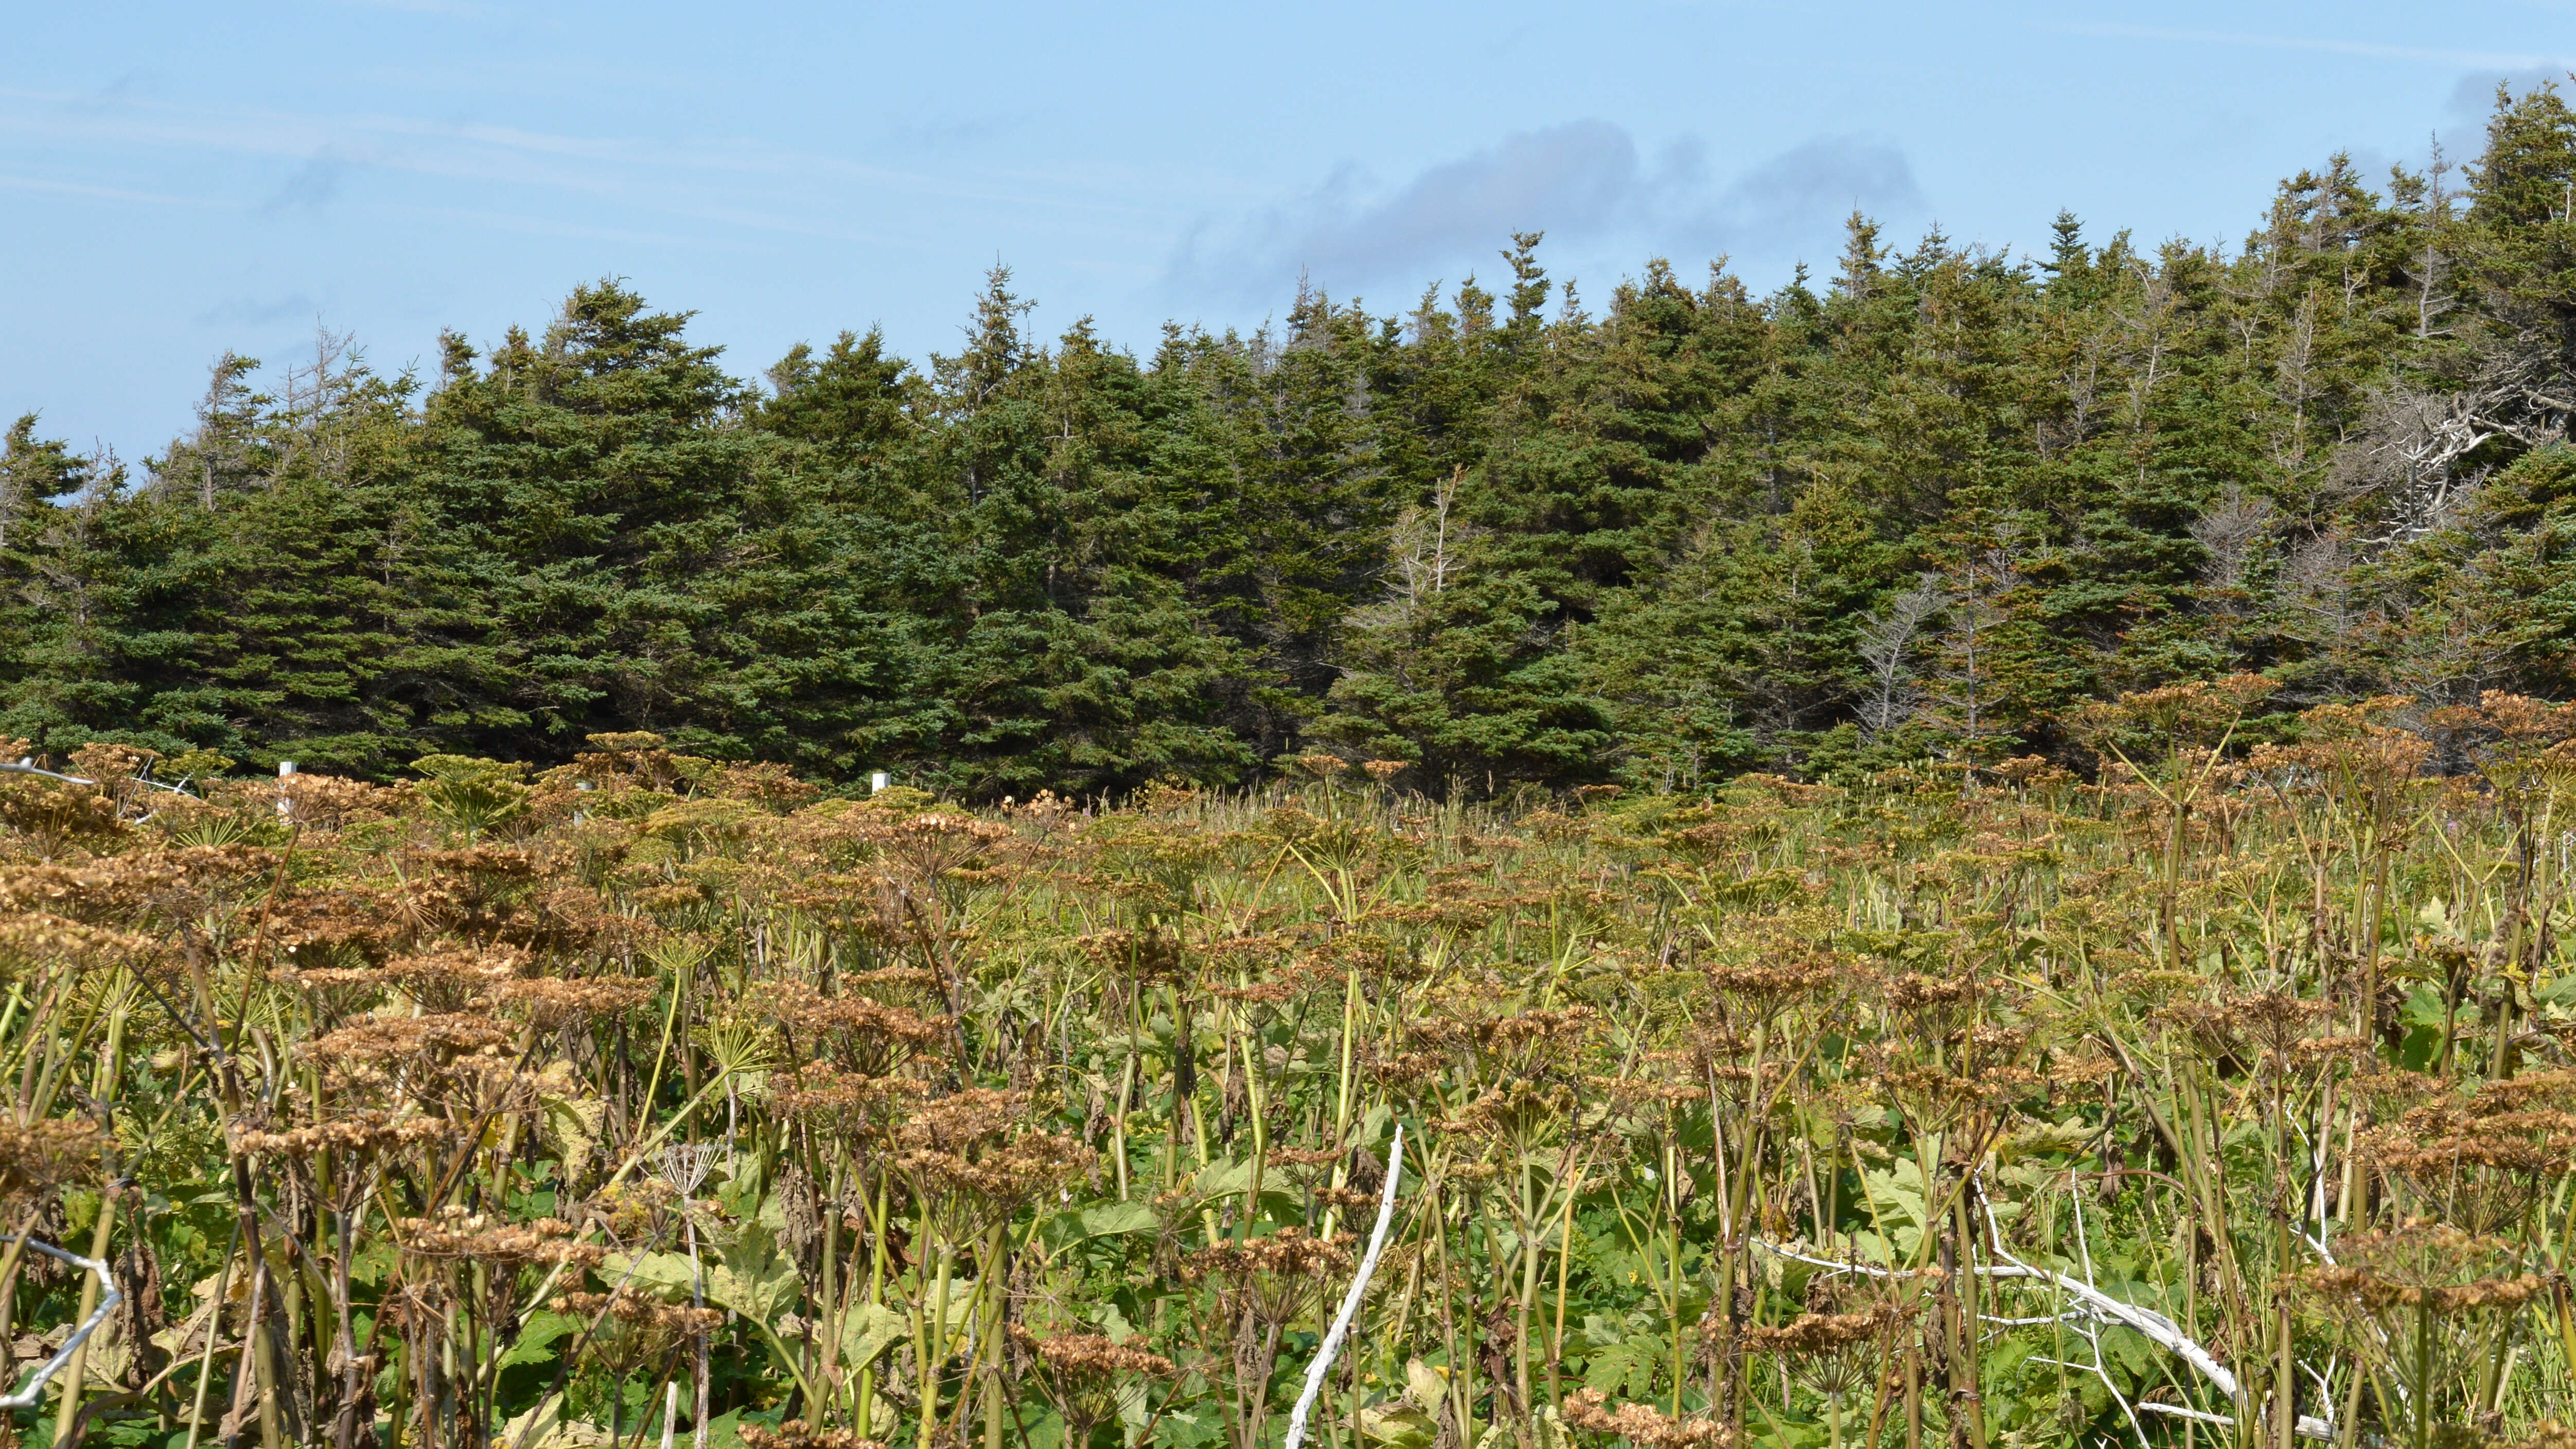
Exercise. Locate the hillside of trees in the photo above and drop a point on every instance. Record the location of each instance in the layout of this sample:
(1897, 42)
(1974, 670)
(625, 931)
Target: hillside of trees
(1922, 507)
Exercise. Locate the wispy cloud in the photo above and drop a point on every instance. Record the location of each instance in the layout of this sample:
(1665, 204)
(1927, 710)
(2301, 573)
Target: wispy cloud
(708, 180)
(549, 226)
(461, 9)
(104, 193)
(250, 312)
(2430, 55)
(311, 186)
(2473, 99)
(1576, 182)
(1808, 188)
(949, 132)
(1573, 180)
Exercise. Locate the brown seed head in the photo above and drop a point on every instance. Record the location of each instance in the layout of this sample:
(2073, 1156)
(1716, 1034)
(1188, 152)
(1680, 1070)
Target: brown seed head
(1641, 1424)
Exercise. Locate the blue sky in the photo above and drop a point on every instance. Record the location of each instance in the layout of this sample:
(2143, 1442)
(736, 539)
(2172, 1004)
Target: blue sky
(179, 179)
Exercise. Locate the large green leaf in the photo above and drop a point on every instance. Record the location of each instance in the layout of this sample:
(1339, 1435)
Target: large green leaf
(537, 1339)
(667, 1273)
(869, 1331)
(1397, 1425)
(754, 1279)
(1108, 1220)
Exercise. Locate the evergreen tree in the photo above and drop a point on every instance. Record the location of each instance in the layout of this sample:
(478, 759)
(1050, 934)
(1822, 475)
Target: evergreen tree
(1926, 499)
(587, 480)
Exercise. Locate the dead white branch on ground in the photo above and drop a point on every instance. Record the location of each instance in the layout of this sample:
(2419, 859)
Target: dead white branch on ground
(2094, 1305)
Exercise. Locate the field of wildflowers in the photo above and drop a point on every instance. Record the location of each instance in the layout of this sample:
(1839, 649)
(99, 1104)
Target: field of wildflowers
(2223, 1096)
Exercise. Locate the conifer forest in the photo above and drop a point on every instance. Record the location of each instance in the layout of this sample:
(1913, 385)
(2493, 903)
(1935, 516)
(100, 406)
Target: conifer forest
(1977, 851)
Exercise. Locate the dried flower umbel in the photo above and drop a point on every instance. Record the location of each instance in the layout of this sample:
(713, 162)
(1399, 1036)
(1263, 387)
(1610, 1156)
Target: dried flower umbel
(1641, 1424)
(796, 1434)
(46, 1155)
(1083, 1374)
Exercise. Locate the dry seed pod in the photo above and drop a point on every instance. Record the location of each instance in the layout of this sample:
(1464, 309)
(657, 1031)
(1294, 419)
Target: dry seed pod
(870, 1034)
(852, 1103)
(1288, 1252)
(1146, 956)
(1821, 1333)
(329, 802)
(794, 1434)
(47, 1154)
(364, 1132)
(1095, 1355)
(2423, 1264)
(1640, 1424)
(457, 1233)
(552, 1003)
(2546, 1434)
(973, 1142)
(642, 1310)
(447, 978)
(432, 1039)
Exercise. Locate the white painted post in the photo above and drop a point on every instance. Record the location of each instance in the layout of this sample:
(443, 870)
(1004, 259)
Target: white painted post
(878, 780)
(285, 772)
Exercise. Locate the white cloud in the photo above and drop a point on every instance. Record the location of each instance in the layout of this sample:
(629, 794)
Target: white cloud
(104, 193)
(2431, 55)
(1809, 187)
(2473, 99)
(1582, 181)
(311, 186)
(683, 178)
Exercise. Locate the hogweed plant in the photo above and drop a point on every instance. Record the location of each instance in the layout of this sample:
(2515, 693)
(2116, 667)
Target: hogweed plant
(2220, 1093)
